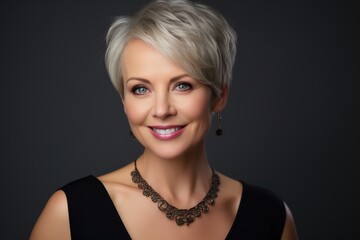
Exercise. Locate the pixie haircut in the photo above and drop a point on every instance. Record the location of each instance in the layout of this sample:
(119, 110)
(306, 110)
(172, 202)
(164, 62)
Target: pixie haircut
(194, 36)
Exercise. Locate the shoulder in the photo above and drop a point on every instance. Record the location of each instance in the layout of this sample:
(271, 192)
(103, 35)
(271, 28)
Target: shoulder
(289, 232)
(254, 201)
(99, 185)
(80, 186)
(53, 222)
(74, 199)
(261, 197)
(118, 183)
(264, 204)
(269, 210)
(261, 214)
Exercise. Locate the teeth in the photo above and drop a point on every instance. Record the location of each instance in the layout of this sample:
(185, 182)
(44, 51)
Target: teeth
(166, 131)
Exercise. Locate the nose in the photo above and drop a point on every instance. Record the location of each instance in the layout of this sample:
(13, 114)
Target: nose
(163, 107)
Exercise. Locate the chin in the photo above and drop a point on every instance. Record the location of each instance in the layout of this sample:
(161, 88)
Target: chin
(168, 150)
(168, 153)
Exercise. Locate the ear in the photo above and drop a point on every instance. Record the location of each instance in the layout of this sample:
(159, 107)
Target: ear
(220, 102)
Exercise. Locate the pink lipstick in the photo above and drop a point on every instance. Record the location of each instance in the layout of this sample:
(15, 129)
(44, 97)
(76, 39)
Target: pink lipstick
(167, 132)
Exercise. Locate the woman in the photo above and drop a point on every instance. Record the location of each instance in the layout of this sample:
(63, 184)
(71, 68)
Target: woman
(171, 64)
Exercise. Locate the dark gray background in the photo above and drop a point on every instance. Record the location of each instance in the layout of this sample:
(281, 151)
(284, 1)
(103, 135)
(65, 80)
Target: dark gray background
(291, 124)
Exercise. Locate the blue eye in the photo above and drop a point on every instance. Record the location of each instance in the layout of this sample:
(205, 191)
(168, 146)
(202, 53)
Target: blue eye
(139, 90)
(183, 86)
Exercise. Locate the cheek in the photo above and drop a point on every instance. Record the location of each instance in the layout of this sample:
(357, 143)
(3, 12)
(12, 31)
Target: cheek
(135, 114)
(197, 108)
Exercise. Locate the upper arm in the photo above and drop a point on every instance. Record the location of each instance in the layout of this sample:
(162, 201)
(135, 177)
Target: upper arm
(289, 232)
(53, 222)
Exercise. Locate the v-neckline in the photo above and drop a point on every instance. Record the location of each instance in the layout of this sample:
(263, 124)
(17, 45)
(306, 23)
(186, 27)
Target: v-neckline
(236, 219)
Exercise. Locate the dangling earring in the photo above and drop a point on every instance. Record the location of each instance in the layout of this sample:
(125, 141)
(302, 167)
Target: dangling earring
(219, 130)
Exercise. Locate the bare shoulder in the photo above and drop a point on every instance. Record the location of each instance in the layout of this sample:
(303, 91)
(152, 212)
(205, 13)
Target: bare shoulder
(289, 232)
(53, 222)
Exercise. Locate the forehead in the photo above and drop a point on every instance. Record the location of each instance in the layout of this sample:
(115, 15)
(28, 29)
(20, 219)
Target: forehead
(141, 59)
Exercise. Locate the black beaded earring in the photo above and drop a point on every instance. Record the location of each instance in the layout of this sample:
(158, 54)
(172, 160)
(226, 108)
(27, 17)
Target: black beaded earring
(219, 130)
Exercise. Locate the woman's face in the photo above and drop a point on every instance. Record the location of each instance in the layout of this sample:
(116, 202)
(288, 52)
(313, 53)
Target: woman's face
(168, 111)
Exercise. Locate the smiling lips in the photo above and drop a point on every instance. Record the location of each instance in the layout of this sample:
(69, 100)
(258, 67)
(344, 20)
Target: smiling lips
(167, 132)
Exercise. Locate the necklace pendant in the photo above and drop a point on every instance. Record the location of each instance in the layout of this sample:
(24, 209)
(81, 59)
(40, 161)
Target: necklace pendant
(181, 217)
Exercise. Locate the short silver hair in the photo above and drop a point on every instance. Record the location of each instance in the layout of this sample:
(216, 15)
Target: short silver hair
(194, 36)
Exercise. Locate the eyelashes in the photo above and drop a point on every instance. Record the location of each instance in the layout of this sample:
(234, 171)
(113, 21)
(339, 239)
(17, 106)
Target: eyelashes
(139, 90)
(183, 86)
(142, 90)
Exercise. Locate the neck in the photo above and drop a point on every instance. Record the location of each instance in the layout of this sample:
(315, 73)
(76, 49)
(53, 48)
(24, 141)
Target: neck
(183, 181)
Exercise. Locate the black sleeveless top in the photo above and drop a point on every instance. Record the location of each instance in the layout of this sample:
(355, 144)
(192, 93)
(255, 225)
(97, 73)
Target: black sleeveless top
(92, 214)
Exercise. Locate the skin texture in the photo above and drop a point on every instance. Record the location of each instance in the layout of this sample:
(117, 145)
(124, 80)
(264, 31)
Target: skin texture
(159, 93)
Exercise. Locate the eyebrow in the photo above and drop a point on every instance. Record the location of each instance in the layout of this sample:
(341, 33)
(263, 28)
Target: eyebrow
(173, 79)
